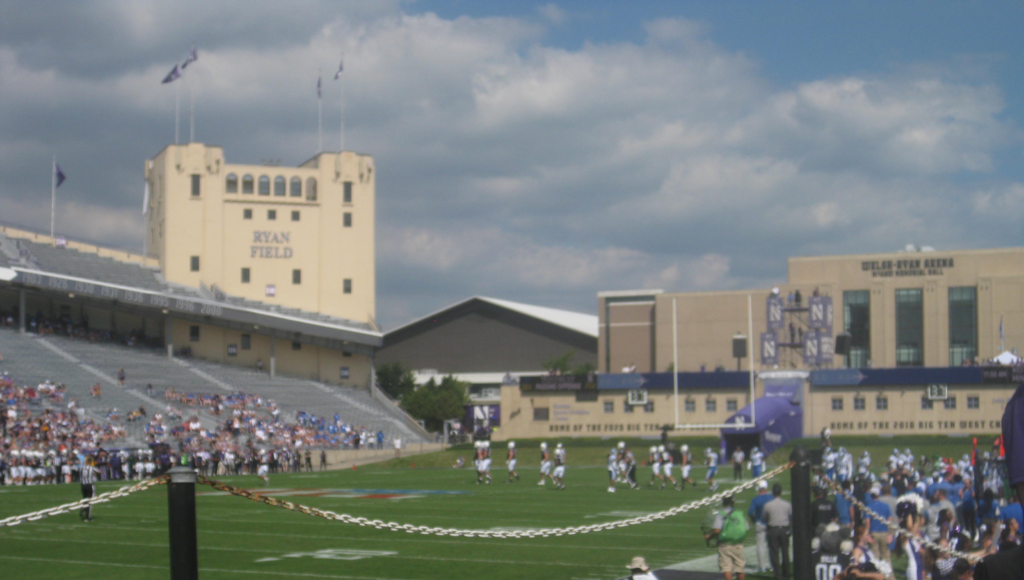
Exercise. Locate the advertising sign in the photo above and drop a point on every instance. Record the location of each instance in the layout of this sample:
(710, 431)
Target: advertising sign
(557, 383)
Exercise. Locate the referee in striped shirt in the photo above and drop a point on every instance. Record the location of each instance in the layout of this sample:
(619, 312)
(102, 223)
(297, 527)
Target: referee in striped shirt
(87, 477)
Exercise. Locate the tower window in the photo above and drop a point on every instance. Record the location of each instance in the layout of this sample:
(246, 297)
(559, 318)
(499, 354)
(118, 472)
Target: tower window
(247, 184)
(296, 276)
(295, 187)
(247, 214)
(347, 220)
(295, 216)
(194, 263)
(271, 214)
(245, 275)
(279, 186)
(195, 185)
(264, 185)
(347, 286)
(231, 184)
(347, 192)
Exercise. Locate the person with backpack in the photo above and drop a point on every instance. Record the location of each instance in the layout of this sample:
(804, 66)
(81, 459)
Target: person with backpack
(730, 527)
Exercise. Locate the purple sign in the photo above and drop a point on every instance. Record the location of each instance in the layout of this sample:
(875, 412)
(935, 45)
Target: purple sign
(769, 349)
(820, 313)
(826, 348)
(774, 312)
(811, 348)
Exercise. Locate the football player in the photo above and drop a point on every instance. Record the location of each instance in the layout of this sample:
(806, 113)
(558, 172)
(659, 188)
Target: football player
(626, 458)
(558, 476)
(685, 466)
(485, 463)
(654, 458)
(545, 463)
(510, 460)
(478, 461)
(263, 470)
(711, 459)
(613, 468)
(666, 467)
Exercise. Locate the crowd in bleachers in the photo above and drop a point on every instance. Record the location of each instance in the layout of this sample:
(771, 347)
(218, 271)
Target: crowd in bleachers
(68, 327)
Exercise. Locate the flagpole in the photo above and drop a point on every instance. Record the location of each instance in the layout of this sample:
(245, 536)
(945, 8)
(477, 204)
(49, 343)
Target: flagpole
(319, 114)
(191, 111)
(176, 91)
(53, 198)
(342, 132)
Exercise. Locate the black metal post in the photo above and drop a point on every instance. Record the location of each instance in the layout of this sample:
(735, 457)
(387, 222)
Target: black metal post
(800, 489)
(181, 517)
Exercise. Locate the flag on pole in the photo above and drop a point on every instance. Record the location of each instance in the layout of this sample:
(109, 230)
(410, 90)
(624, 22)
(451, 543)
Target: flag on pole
(58, 175)
(341, 67)
(318, 87)
(145, 199)
(192, 57)
(1002, 337)
(172, 76)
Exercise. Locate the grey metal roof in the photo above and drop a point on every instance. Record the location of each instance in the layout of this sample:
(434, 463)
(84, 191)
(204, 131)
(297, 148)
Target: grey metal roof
(144, 285)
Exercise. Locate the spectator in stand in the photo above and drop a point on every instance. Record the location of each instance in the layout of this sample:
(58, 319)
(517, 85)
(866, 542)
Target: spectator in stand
(121, 377)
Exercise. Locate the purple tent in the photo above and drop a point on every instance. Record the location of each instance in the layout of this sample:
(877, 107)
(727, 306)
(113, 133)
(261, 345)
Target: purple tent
(778, 421)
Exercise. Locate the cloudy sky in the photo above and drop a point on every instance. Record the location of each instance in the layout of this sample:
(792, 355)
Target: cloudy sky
(542, 152)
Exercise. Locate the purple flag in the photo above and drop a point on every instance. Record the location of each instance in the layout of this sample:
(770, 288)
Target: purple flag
(341, 66)
(192, 57)
(172, 76)
(58, 174)
(318, 79)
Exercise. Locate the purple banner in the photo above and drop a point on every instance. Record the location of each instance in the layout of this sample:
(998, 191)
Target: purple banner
(774, 312)
(811, 348)
(820, 313)
(769, 349)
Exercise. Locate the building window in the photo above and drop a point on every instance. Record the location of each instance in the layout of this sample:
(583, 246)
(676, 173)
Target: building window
(295, 187)
(949, 403)
(346, 354)
(295, 216)
(881, 403)
(271, 214)
(731, 405)
(626, 407)
(247, 214)
(245, 275)
(194, 263)
(231, 183)
(710, 405)
(927, 404)
(193, 333)
(247, 184)
(310, 189)
(963, 325)
(909, 328)
(264, 185)
(973, 402)
(279, 186)
(347, 192)
(347, 286)
(246, 342)
(859, 404)
(837, 404)
(195, 185)
(296, 276)
(857, 322)
(691, 406)
(649, 407)
(347, 220)
(296, 345)
(541, 414)
(609, 406)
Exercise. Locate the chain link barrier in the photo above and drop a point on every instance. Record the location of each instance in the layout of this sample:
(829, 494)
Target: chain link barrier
(538, 533)
(70, 507)
(897, 529)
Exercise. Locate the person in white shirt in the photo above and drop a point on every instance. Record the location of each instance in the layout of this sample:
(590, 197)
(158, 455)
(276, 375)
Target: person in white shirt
(685, 466)
(558, 475)
(756, 462)
(712, 463)
(738, 456)
(510, 460)
(654, 458)
(398, 446)
(613, 469)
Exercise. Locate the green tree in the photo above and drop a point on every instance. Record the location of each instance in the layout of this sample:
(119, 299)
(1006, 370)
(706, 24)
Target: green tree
(395, 380)
(436, 403)
(566, 364)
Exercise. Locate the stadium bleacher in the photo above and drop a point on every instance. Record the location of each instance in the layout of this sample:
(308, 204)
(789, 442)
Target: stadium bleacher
(79, 364)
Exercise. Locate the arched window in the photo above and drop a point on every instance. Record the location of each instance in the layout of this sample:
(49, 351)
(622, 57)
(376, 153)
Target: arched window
(311, 189)
(296, 187)
(247, 184)
(231, 184)
(264, 185)
(279, 186)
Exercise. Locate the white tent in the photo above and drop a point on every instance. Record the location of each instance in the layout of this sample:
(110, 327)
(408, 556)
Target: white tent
(1007, 358)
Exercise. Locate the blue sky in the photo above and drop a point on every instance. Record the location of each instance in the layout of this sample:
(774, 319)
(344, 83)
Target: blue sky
(543, 152)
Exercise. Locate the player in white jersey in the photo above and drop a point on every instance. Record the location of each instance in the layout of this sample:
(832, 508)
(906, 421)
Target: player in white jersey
(558, 475)
(510, 460)
(263, 470)
(711, 459)
(828, 463)
(864, 461)
(756, 462)
(485, 464)
(613, 468)
(477, 457)
(666, 466)
(654, 458)
(545, 463)
(844, 466)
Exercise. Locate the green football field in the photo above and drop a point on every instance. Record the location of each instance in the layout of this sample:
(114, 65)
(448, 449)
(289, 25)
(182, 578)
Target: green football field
(242, 539)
